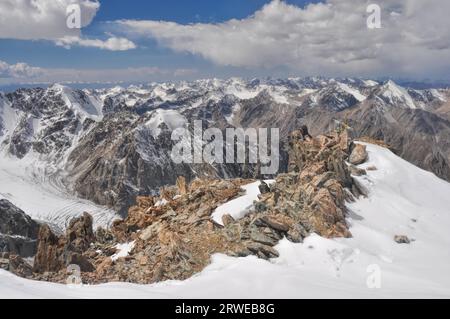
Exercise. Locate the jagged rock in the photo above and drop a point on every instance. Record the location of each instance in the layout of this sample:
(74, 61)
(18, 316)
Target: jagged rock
(359, 154)
(181, 185)
(275, 223)
(371, 168)
(4, 263)
(150, 231)
(13, 221)
(74, 258)
(19, 267)
(259, 237)
(174, 236)
(80, 234)
(356, 171)
(48, 256)
(103, 236)
(263, 251)
(227, 220)
(402, 239)
(312, 194)
(56, 253)
(260, 207)
(297, 233)
(18, 232)
(264, 188)
(22, 246)
(144, 201)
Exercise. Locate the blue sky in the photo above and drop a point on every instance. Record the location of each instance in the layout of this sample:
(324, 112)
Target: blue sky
(187, 39)
(46, 54)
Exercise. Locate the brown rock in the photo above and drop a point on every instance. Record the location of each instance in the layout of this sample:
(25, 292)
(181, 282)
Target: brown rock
(227, 220)
(80, 234)
(48, 256)
(182, 186)
(144, 201)
(359, 155)
(275, 223)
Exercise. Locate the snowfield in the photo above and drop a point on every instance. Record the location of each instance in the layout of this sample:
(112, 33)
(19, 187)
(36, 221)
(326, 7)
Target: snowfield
(403, 200)
(39, 192)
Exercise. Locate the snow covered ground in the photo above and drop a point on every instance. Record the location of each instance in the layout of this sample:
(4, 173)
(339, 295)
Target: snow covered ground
(39, 193)
(239, 207)
(403, 200)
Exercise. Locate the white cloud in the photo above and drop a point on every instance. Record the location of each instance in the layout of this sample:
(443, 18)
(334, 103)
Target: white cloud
(42, 19)
(329, 38)
(47, 20)
(24, 73)
(112, 44)
(18, 70)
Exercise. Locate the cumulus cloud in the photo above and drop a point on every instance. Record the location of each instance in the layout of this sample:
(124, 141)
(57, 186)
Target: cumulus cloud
(47, 20)
(42, 19)
(112, 44)
(18, 70)
(329, 37)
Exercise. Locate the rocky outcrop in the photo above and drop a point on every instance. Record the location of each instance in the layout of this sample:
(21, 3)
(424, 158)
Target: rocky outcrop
(312, 195)
(173, 235)
(18, 232)
(55, 253)
(358, 155)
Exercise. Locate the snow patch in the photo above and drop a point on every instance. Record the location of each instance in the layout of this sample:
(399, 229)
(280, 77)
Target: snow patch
(123, 250)
(172, 118)
(239, 207)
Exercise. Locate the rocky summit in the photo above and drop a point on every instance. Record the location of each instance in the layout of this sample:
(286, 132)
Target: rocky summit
(173, 235)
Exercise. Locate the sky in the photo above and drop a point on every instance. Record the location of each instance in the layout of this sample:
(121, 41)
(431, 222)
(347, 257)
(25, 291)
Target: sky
(171, 40)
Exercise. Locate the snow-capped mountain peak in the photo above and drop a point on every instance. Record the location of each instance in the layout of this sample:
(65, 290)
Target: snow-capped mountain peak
(396, 95)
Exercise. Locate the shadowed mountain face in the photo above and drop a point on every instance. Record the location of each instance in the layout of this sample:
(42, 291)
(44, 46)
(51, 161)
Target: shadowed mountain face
(110, 145)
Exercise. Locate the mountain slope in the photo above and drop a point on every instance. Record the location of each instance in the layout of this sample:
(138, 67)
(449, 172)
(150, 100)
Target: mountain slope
(110, 145)
(403, 200)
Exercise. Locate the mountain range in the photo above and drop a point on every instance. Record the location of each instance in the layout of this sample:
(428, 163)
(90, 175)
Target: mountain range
(110, 145)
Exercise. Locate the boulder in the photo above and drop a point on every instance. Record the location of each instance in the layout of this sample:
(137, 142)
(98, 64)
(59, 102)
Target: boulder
(264, 188)
(402, 239)
(359, 155)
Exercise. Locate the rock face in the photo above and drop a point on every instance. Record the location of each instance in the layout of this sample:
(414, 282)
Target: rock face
(55, 253)
(172, 236)
(312, 195)
(18, 232)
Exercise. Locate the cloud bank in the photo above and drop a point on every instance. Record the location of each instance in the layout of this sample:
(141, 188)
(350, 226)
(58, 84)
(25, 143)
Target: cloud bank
(26, 74)
(47, 20)
(18, 71)
(327, 38)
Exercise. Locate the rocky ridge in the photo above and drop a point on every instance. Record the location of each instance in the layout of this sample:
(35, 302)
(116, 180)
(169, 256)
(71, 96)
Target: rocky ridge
(172, 235)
